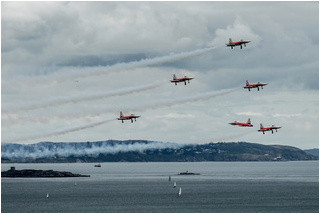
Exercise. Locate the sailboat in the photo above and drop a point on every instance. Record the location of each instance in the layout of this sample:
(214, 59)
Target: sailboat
(174, 184)
(47, 196)
(179, 192)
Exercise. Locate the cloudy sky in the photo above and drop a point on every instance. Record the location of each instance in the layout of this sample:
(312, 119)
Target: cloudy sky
(68, 68)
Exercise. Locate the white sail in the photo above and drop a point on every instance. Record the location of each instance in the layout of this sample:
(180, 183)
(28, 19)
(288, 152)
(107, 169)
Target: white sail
(174, 184)
(180, 191)
(47, 196)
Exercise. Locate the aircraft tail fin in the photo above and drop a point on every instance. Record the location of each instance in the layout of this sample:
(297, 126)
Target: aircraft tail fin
(121, 115)
(249, 121)
(247, 83)
(230, 40)
(174, 77)
(261, 126)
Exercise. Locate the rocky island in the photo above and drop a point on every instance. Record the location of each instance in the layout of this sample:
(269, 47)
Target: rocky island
(32, 173)
(188, 173)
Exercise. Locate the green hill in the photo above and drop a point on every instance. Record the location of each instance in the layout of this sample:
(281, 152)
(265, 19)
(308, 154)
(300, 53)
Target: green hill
(148, 151)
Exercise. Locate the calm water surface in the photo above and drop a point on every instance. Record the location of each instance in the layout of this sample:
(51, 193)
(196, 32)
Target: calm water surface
(145, 187)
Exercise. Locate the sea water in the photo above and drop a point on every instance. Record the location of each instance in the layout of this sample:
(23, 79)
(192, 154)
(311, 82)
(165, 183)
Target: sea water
(145, 187)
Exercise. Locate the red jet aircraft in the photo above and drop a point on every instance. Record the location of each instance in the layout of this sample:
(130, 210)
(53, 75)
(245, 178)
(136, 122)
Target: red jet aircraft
(255, 85)
(129, 117)
(248, 124)
(239, 43)
(183, 79)
(262, 129)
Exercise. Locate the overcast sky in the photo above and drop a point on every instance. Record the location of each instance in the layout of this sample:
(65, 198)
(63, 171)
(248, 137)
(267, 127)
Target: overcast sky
(68, 68)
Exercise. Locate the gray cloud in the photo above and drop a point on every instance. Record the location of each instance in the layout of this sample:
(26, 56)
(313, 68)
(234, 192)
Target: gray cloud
(44, 38)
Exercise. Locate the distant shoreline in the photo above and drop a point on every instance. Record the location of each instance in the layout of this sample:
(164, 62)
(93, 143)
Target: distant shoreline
(150, 151)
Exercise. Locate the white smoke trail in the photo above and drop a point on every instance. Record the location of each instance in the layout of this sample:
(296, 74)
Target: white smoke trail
(16, 119)
(49, 150)
(180, 100)
(68, 73)
(11, 119)
(231, 137)
(146, 62)
(155, 105)
(63, 131)
(74, 99)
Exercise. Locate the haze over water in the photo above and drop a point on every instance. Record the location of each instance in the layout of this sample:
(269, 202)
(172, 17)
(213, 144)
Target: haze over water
(145, 187)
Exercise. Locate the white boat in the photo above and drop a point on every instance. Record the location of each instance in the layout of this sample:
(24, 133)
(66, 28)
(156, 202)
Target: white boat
(174, 184)
(179, 192)
(47, 196)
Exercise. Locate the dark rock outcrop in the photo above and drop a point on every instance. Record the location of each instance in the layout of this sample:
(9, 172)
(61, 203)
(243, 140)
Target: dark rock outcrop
(32, 173)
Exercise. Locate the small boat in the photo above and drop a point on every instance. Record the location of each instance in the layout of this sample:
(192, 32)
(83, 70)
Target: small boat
(47, 196)
(97, 165)
(174, 184)
(169, 178)
(75, 183)
(179, 192)
(188, 173)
